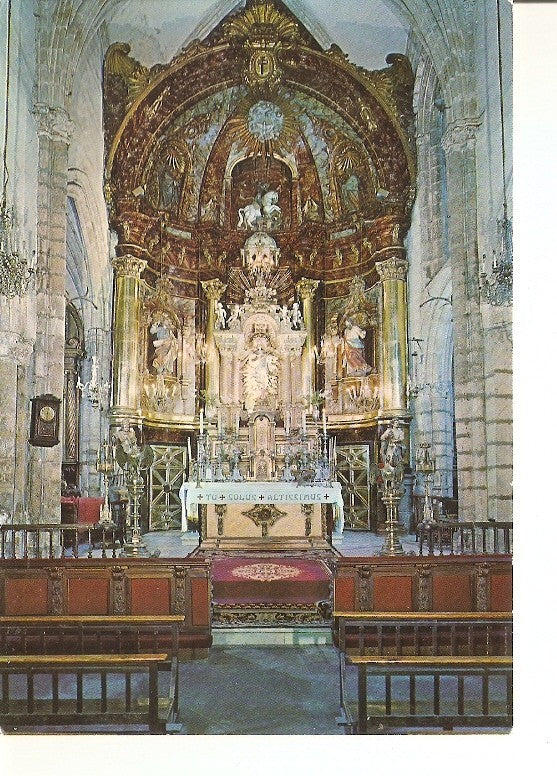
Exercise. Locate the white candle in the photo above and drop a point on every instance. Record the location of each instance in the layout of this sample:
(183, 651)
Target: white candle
(324, 423)
(189, 450)
(304, 421)
(237, 421)
(200, 421)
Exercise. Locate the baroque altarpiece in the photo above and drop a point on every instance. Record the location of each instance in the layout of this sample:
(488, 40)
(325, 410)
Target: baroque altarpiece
(260, 188)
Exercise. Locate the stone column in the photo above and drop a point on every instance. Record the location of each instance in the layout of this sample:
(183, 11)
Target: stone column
(306, 289)
(459, 144)
(15, 352)
(54, 129)
(126, 398)
(213, 289)
(392, 273)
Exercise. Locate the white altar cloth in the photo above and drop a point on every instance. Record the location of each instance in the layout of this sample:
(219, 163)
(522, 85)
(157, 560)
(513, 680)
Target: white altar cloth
(192, 494)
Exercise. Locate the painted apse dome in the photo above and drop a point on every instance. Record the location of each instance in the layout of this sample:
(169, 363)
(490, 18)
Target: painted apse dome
(257, 167)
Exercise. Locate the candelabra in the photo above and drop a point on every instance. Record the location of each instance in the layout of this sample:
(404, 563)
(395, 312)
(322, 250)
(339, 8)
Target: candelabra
(106, 466)
(390, 496)
(135, 547)
(425, 464)
(497, 288)
(97, 392)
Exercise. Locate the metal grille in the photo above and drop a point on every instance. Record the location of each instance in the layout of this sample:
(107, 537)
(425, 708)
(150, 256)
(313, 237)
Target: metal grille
(353, 472)
(166, 475)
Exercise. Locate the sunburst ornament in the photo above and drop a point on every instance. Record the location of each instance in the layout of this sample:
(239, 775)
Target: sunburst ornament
(266, 123)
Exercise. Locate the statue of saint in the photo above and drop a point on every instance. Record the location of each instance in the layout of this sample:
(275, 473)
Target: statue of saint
(260, 375)
(354, 362)
(296, 316)
(166, 347)
(220, 313)
(392, 445)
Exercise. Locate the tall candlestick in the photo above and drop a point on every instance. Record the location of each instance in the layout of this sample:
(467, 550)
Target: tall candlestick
(200, 421)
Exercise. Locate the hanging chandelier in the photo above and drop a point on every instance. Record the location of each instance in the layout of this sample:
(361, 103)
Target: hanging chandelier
(15, 272)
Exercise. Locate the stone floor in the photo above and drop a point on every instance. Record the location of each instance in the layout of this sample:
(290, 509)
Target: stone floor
(175, 544)
(261, 690)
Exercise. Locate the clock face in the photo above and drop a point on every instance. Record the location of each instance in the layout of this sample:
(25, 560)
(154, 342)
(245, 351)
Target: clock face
(265, 120)
(47, 414)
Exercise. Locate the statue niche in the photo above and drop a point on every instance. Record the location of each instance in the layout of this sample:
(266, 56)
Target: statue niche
(260, 370)
(270, 207)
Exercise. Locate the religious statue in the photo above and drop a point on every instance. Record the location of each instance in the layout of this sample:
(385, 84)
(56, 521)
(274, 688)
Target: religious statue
(296, 316)
(392, 447)
(264, 207)
(124, 436)
(310, 210)
(166, 346)
(354, 362)
(234, 316)
(351, 194)
(260, 374)
(220, 314)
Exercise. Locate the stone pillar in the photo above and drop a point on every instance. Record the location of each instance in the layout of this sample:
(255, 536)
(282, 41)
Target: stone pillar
(126, 397)
(459, 144)
(15, 352)
(392, 273)
(54, 129)
(213, 289)
(306, 289)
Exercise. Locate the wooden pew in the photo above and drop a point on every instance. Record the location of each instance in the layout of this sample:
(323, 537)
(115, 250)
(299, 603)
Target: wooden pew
(403, 640)
(463, 583)
(54, 711)
(415, 633)
(74, 634)
(83, 587)
(379, 711)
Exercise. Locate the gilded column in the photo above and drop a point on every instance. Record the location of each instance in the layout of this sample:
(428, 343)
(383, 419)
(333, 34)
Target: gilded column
(392, 273)
(126, 394)
(306, 289)
(213, 289)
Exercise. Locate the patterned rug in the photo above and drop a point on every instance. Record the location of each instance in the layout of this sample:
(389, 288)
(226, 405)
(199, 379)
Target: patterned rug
(270, 591)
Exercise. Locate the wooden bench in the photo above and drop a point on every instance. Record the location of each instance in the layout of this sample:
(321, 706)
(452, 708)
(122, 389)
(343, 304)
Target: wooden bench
(75, 634)
(428, 633)
(447, 705)
(398, 639)
(141, 587)
(32, 708)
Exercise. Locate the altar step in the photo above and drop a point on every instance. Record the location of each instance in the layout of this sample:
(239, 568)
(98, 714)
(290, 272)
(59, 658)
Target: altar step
(295, 636)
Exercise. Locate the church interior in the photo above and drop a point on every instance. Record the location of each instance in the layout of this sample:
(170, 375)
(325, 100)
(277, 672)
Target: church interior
(255, 366)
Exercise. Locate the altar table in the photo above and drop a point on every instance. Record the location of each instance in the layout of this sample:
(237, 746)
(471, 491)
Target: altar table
(251, 513)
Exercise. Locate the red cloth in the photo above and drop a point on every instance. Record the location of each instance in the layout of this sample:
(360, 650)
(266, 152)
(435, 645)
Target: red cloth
(89, 510)
(269, 580)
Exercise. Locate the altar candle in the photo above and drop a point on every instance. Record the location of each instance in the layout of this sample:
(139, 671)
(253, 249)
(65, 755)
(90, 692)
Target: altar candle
(237, 421)
(200, 421)
(324, 423)
(189, 450)
(304, 421)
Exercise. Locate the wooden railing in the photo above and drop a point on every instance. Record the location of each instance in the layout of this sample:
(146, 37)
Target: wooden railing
(397, 704)
(51, 540)
(89, 634)
(421, 633)
(30, 708)
(402, 642)
(458, 538)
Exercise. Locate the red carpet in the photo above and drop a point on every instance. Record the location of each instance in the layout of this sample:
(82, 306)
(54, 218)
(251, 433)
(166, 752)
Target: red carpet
(268, 590)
